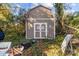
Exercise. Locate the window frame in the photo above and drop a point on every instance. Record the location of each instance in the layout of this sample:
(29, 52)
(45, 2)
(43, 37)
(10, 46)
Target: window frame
(40, 31)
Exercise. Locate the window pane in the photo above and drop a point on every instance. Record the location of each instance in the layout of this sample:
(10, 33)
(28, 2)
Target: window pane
(37, 34)
(37, 27)
(43, 27)
(43, 34)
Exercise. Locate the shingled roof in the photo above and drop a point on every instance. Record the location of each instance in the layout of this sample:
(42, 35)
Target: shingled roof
(37, 7)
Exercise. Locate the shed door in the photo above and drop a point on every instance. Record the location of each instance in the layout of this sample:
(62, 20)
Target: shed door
(40, 30)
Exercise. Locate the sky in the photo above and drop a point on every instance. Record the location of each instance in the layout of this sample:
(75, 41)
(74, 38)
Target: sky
(74, 6)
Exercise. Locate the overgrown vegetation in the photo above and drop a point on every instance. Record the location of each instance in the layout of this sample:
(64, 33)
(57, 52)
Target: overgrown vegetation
(46, 47)
(12, 26)
(14, 29)
(14, 34)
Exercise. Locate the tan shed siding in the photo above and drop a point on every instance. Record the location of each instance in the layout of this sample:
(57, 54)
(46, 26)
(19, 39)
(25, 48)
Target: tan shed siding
(50, 27)
(29, 29)
(30, 33)
(40, 15)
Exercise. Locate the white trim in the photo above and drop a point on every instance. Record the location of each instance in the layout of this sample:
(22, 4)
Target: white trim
(26, 28)
(40, 31)
(38, 38)
(34, 30)
(54, 29)
(41, 18)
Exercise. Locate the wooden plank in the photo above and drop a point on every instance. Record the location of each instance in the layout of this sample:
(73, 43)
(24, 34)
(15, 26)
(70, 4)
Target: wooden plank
(65, 42)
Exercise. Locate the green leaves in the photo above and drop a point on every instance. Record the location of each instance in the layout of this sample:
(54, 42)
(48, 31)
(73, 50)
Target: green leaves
(4, 12)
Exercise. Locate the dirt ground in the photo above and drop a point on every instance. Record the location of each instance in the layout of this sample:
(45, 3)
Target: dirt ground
(49, 49)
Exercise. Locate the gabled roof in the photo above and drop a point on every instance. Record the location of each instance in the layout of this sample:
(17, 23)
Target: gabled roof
(37, 7)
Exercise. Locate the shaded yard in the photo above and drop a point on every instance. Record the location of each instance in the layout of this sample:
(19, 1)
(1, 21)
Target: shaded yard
(46, 47)
(40, 48)
(49, 48)
(14, 28)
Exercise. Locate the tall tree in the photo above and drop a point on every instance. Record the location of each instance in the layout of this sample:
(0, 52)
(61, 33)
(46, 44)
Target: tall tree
(5, 15)
(59, 12)
(5, 11)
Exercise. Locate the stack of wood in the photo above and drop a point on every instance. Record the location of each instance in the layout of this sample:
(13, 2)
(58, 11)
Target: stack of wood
(28, 52)
(16, 51)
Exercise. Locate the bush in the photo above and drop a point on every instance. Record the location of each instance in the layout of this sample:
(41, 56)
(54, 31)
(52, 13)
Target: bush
(14, 34)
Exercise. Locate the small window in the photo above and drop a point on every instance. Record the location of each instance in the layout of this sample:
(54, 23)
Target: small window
(40, 30)
(37, 34)
(37, 27)
(43, 27)
(43, 34)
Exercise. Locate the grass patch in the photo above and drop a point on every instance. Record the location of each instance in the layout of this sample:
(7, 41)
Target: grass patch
(14, 37)
(47, 47)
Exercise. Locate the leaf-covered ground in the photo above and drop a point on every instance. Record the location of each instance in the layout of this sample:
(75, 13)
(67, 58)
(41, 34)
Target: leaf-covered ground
(49, 48)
